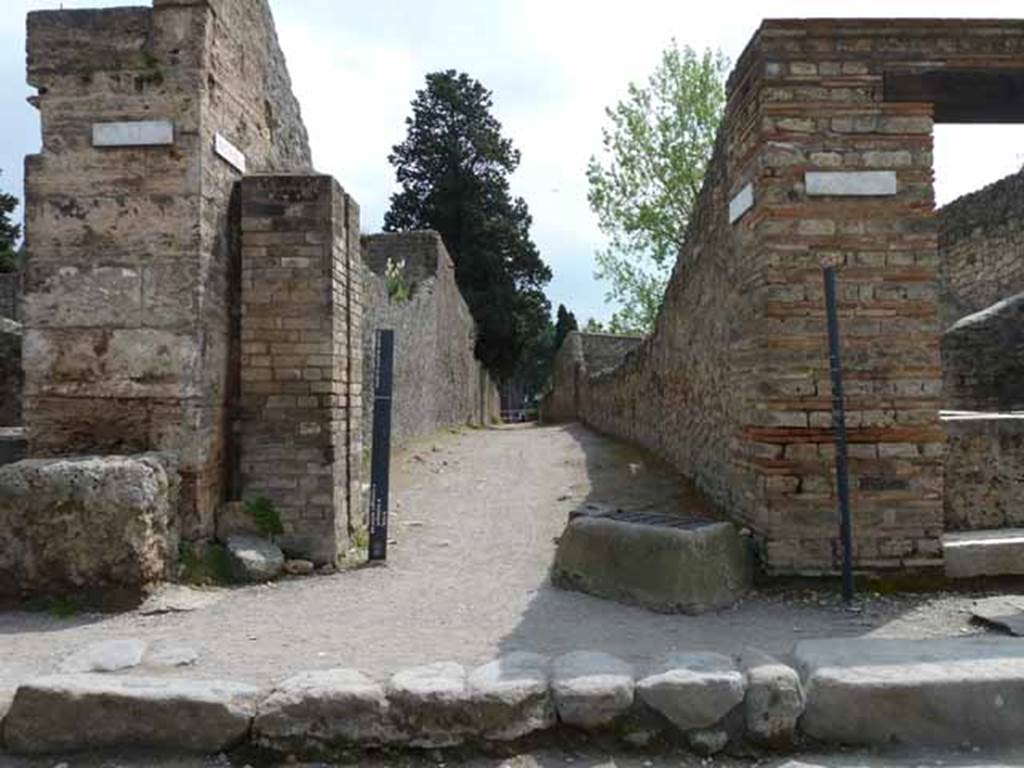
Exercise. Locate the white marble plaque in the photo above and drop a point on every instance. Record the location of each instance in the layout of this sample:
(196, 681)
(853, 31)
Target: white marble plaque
(741, 203)
(850, 183)
(141, 133)
(229, 152)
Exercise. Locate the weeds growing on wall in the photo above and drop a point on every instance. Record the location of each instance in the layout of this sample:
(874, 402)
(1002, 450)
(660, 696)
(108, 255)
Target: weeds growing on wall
(399, 289)
(265, 515)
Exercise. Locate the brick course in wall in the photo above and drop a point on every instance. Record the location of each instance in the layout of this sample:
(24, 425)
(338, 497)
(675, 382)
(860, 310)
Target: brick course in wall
(733, 385)
(299, 418)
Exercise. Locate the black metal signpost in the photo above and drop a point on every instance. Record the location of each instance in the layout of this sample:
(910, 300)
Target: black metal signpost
(380, 460)
(839, 427)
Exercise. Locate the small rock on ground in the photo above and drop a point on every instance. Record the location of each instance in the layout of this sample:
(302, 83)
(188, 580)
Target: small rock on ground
(177, 598)
(254, 559)
(105, 656)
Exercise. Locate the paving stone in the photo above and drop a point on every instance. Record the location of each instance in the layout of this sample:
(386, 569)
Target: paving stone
(774, 700)
(937, 692)
(693, 690)
(177, 598)
(65, 713)
(334, 708)
(254, 559)
(512, 696)
(432, 705)
(105, 656)
(1005, 612)
(591, 689)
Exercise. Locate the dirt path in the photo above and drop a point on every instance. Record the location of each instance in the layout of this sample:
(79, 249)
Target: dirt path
(476, 519)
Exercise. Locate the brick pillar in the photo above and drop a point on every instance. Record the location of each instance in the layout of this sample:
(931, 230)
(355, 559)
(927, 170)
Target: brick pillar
(298, 425)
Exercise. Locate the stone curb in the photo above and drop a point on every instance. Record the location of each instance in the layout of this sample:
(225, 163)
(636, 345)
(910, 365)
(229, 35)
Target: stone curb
(857, 692)
(433, 706)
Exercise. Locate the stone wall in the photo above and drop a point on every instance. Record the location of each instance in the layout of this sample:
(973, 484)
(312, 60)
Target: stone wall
(438, 382)
(299, 417)
(823, 157)
(10, 373)
(10, 295)
(981, 248)
(984, 471)
(582, 355)
(983, 359)
(132, 250)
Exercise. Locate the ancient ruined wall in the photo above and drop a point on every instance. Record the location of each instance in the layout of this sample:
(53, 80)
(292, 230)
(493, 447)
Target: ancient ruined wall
(438, 381)
(983, 359)
(981, 248)
(10, 373)
(10, 295)
(299, 415)
(582, 355)
(821, 158)
(131, 252)
(984, 480)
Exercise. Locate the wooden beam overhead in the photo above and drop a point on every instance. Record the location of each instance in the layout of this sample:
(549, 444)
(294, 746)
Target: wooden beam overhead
(962, 95)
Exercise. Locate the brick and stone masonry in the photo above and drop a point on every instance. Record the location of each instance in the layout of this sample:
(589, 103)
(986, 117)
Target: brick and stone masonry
(299, 417)
(825, 155)
(132, 250)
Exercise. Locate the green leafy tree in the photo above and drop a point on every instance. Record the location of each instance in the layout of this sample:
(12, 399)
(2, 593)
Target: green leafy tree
(565, 323)
(645, 185)
(593, 325)
(10, 233)
(453, 170)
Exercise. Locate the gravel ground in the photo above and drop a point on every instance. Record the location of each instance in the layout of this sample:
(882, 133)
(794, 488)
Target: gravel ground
(476, 517)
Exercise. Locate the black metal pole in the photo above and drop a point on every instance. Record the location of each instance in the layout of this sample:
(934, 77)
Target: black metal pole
(839, 428)
(380, 458)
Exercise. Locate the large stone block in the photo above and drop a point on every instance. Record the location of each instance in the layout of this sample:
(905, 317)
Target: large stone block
(941, 692)
(322, 711)
(592, 690)
(87, 523)
(432, 706)
(511, 696)
(690, 569)
(79, 712)
(693, 690)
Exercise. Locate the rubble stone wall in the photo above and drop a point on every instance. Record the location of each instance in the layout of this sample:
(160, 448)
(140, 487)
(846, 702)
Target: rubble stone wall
(984, 471)
(733, 385)
(438, 381)
(299, 416)
(132, 250)
(981, 248)
(983, 359)
(580, 356)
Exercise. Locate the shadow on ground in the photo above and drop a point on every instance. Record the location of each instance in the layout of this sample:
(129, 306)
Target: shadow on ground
(773, 617)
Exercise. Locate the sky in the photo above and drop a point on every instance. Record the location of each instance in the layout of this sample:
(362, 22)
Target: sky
(553, 67)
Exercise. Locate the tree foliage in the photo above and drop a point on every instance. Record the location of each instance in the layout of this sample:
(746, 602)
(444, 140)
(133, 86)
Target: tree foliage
(9, 234)
(453, 169)
(655, 150)
(565, 323)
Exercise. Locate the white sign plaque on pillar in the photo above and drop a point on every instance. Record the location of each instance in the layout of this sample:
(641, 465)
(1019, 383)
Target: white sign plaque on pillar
(228, 152)
(741, 203)
(135, 133)
(850, 183)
